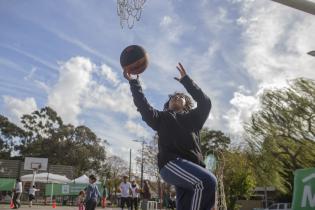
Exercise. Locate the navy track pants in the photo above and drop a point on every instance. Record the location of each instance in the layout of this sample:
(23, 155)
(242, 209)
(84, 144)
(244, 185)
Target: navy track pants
(195, 186)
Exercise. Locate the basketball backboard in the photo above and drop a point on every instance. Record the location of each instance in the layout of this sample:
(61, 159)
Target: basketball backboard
(32, 163)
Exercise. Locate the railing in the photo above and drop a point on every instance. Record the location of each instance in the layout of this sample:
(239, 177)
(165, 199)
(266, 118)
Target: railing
(149, 205)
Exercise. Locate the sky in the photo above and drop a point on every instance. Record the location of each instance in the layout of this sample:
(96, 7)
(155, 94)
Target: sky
(65, 54)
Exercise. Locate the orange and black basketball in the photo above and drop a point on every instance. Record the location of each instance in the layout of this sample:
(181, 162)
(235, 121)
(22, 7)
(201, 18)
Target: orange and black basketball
(134, 59)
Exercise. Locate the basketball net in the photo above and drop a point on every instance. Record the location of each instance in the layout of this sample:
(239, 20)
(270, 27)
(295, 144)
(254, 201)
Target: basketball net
(129, 11)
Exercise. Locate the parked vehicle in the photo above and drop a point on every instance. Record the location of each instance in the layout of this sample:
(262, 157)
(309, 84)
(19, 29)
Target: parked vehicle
(279, 206)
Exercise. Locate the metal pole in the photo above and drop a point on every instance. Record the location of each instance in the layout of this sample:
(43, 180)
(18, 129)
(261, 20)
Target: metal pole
(303, 5)
(130, 166)
(34, 175)
(142, 165)
(266, 198)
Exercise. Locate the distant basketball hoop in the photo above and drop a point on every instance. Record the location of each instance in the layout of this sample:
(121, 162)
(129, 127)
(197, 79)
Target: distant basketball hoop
(129, 11)
(35, 165)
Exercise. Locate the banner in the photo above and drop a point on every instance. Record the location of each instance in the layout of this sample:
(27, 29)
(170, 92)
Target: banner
(67, 189)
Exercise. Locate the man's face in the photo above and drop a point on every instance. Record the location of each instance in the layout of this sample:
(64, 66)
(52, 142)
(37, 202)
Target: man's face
(177, 103)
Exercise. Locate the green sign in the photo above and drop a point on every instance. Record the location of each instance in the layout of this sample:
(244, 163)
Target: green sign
(304, 189)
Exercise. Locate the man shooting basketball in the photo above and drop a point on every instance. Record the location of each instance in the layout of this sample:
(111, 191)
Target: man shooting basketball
(179, 158)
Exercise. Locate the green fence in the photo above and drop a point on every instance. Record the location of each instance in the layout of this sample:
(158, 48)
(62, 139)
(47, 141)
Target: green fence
(66, 189)
(6, 184)
(304, 189)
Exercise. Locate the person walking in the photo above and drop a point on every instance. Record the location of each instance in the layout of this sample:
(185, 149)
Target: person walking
(92, 194)
(17, 193)
(178, 126)
(125, 190)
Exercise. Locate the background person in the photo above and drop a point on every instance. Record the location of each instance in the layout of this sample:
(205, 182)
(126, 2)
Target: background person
(31, 194)
(80, 200)
(92, 194)
(146, 195)
(134, 195)
(125, 190)
(17, 194)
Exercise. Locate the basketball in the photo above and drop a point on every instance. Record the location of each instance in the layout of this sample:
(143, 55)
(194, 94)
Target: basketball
(134, 59)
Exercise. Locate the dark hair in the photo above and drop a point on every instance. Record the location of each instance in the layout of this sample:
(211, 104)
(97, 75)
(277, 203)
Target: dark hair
(188, 101)
(81, 192)
(18, 179)
(92, 177)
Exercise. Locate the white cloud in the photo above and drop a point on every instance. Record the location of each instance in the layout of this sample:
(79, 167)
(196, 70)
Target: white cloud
(276, 50)
(64, 97)
(81, 91)
(276, 40)
(106, 98)
(166, 21)
(243, 107)
(40, 84)
(172, 29)
(16, 108)
(137, 129)
(107, 72)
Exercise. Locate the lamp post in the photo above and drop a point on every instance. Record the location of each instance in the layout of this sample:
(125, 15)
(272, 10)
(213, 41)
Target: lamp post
(303, 5)
(130, 166)
(142, 150)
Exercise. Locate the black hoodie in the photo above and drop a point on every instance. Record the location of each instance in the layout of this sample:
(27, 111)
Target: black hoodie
(178, 131)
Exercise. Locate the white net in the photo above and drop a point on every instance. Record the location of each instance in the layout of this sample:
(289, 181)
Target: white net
(129, 11)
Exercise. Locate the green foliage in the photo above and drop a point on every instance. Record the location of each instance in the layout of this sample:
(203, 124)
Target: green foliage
(213, 141)
(44, 135)
(8, 132)
(282, 134)
(239, 179)
(114, 169)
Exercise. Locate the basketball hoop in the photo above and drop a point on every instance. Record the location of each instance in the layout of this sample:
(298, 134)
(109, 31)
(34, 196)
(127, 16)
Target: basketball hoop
(36, 166)
(129, 11)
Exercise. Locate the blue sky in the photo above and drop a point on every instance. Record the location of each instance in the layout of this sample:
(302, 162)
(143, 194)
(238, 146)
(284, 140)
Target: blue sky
(65, 54)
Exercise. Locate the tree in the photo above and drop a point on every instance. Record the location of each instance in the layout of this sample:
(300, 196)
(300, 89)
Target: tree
(8, 132)
(282, 133)
(150, 152)
(239, 178)
(116, 168)
(47, 136)
(213, 141)
(150, 163)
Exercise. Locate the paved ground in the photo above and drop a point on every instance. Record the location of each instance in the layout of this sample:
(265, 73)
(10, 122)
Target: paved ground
(24, 207)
